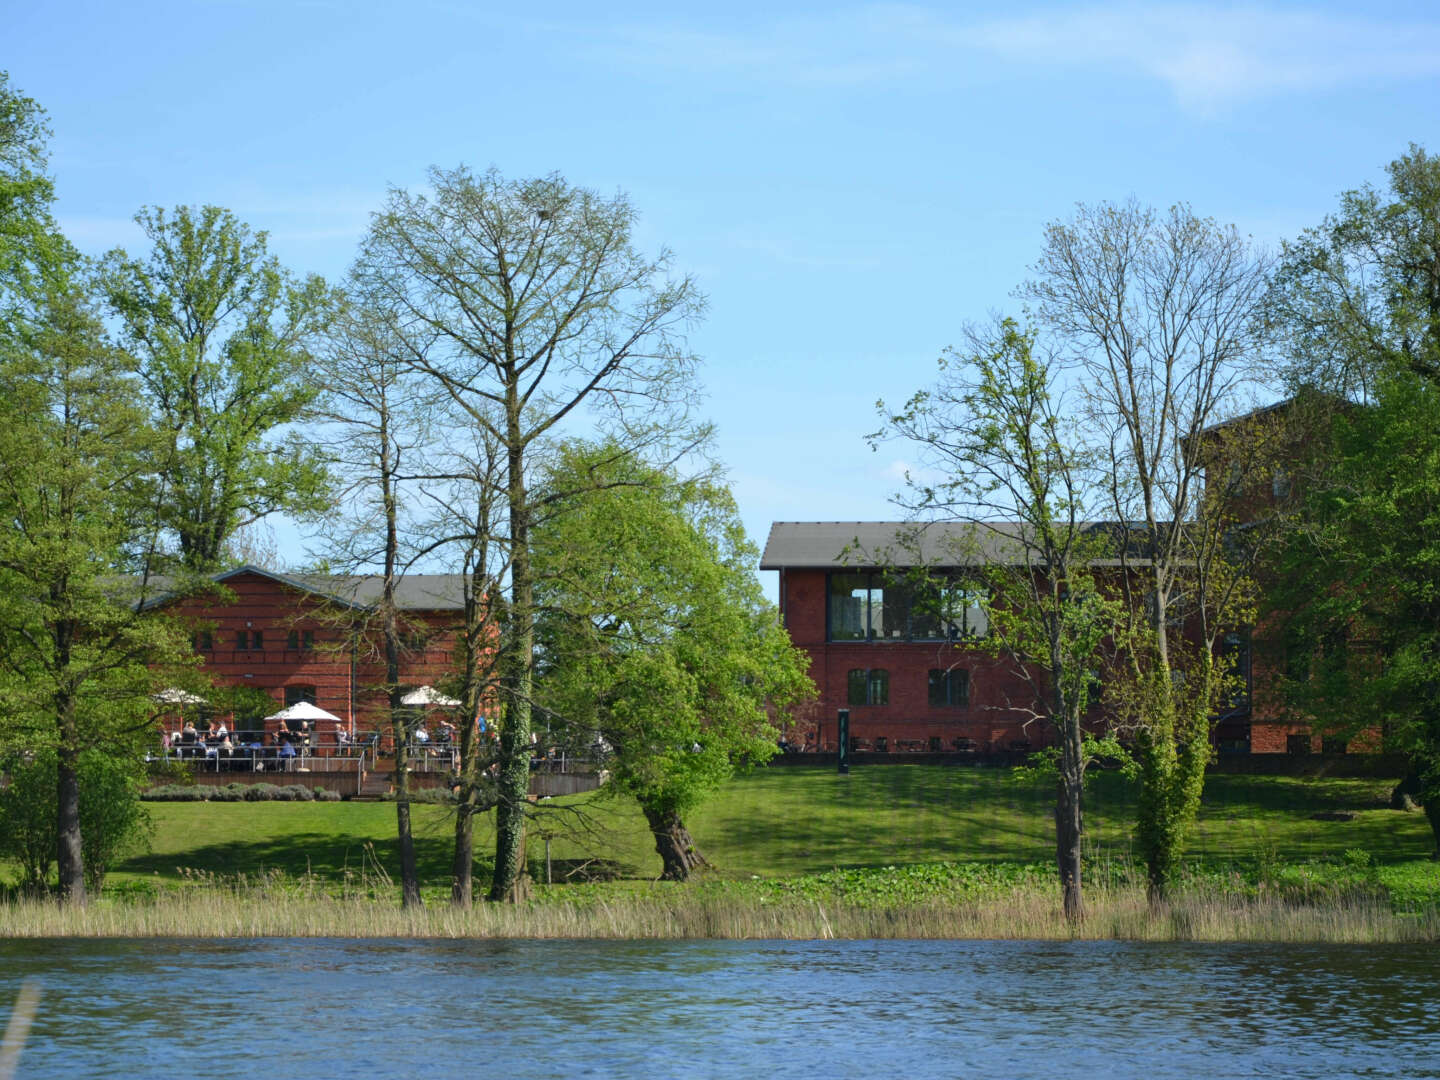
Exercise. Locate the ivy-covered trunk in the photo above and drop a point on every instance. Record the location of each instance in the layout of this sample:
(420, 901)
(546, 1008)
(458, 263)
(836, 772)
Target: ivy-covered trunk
(517, 646)
(1172, 749)
(673, 843)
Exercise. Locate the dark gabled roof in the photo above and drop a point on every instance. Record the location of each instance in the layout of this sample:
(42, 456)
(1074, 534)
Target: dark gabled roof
(413, 592)
(831, 544)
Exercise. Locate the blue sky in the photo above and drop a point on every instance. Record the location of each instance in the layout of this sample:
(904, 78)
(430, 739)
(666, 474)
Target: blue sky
(850, 184)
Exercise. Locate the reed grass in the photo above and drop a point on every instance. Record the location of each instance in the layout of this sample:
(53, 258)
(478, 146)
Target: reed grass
(272, 906)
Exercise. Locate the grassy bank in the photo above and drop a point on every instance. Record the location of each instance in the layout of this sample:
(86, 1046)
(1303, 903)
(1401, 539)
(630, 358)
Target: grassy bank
(892, 851)
(782, 823)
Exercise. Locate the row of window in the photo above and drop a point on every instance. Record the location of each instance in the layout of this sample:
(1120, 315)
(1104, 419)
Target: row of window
(876, 607)
(948, 687)
(295, 640)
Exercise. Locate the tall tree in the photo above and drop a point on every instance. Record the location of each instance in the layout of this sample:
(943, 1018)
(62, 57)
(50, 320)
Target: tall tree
(1358, 301)
(224, 337)
(79, 655)
(376, 432)
(534, 310)
(1007, 460)
(654, 634)
(1159, 315)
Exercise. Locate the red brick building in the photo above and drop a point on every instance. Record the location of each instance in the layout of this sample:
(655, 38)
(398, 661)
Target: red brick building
(908, 678)
(913, 681)
(304, 637)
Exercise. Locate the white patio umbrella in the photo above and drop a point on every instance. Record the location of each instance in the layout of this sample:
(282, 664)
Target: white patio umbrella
(303, 710)
(173, 695)
(428, 695)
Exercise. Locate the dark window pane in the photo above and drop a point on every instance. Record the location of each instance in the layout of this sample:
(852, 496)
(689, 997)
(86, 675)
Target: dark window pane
(879, 682)
(889, 611)
(242, 639)
(257, 639)
(848, 595)
(857, 687)
(296, 694)
(949, 687)
(292, 639)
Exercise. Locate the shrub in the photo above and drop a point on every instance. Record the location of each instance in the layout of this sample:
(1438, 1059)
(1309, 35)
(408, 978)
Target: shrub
(260, 792)
(293, 793)
(326, 795)
(112, 821)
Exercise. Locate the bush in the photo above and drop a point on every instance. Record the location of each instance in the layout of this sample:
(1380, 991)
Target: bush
(112, 821)
(261, 792)
(176, 793)
(326, 795)
(294, 793)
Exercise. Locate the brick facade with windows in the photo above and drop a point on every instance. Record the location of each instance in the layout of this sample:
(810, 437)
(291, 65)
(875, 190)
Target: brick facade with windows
(940, 694)
(304, 637)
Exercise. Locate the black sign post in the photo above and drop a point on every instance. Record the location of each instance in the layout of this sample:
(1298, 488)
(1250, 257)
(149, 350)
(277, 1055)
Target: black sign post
(844, 726)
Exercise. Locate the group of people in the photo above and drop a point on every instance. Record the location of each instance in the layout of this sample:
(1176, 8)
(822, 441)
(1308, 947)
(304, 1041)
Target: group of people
(215, 739)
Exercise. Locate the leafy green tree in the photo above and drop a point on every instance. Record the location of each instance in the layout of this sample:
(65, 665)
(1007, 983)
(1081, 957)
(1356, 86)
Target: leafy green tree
(1357, 298)
(993, 431)
(527, 304)
(223, 336)
(79, 653)
(1359, 301)
(654, 635)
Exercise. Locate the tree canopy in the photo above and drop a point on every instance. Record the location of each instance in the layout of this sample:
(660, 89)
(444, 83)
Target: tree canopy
(654, 636)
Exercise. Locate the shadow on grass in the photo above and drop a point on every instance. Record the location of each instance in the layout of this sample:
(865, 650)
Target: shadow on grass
(326, 855)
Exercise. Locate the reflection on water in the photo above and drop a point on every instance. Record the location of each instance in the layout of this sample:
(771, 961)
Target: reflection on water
(526, 1009)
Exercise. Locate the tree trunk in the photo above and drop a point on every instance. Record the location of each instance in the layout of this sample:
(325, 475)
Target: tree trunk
(673, 843)
(516, 669)
(462, 866)
(69, 854)
(399, 724)
(1069, 827)
(409, 875)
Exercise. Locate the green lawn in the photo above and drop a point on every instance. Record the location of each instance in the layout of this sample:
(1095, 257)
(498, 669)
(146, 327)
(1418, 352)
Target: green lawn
(784, 822)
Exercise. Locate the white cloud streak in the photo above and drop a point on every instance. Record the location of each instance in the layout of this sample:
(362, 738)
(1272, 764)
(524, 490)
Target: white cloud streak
(1208, 57)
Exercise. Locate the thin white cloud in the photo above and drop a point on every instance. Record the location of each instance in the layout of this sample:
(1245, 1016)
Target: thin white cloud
(1207, 56)
(1216, 56)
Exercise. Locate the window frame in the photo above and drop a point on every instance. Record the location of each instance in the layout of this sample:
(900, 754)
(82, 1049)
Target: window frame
(946, 679)
(875, 684)
(902, 598)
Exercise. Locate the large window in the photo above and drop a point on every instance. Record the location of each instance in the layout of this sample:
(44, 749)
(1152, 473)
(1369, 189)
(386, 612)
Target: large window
(877, 607)
(869, 686)
(298, 693)
(949, 687)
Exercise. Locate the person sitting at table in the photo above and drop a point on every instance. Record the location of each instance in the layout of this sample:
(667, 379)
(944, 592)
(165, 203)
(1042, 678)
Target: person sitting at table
(446, 733)
(422, 736)
(221, 731)
(188, 734)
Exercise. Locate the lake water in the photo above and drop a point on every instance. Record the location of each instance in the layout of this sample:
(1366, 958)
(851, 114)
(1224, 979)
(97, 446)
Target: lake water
(521, 1009)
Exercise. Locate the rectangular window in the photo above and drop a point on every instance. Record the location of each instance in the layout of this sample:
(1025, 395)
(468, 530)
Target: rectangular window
(868, 686)
(849, 607)
(257, 639)
(242, 639)
(296, 640)
(865, 607)
(949, 687)
(204, 641)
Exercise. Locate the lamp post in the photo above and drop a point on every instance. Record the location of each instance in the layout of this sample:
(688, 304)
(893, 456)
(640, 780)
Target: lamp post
(844, 734)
